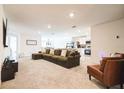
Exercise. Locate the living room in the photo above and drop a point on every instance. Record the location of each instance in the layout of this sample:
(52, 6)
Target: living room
(89, 31)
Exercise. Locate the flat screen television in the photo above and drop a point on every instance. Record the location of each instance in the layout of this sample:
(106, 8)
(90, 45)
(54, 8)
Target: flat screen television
(88, 42)
(4, 33)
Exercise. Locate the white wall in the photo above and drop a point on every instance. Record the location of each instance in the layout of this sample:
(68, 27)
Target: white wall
(1, 31)
(24, 33)
(3, 51)
(104, 41)
(1, 40)
(27, 50)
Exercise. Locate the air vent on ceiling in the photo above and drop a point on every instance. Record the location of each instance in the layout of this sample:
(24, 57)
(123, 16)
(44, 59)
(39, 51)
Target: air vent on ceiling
(73, 26)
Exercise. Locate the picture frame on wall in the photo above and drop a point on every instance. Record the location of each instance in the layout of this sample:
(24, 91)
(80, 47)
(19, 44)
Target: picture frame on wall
(31, 42)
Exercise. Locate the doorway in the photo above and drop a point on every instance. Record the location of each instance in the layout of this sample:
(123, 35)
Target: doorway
(13, 46)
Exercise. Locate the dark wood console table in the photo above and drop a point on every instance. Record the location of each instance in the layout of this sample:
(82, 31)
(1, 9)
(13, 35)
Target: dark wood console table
(15, 66)
(8, 70)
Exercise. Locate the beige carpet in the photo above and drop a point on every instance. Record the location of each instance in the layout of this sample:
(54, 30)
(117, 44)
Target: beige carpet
(35, 74)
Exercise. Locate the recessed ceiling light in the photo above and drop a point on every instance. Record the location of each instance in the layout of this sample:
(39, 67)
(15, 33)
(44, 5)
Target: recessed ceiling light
(71, 15)
(38, 32)
(49, 26)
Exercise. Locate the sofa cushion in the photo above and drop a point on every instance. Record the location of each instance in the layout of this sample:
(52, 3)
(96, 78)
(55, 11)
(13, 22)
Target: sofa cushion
(59, 58)
(47, 55)
(72, 53)
(68, 53)
(62, 59)
(43, 50)
(54, 57)
(95, 72)
(119, 55)
(63, 53)
(104, 60)
(57, 52)
(47, 51)
(52, 51)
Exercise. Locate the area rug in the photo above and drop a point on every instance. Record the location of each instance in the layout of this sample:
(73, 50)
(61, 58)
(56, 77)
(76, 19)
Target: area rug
(40, 74)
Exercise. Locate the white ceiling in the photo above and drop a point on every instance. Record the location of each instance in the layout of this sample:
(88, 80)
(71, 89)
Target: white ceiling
(39, 16)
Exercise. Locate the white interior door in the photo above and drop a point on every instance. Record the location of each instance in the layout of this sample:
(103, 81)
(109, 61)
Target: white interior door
(13, 47)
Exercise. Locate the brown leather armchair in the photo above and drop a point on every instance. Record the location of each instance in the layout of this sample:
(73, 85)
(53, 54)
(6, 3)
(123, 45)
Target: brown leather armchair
(110, 74)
